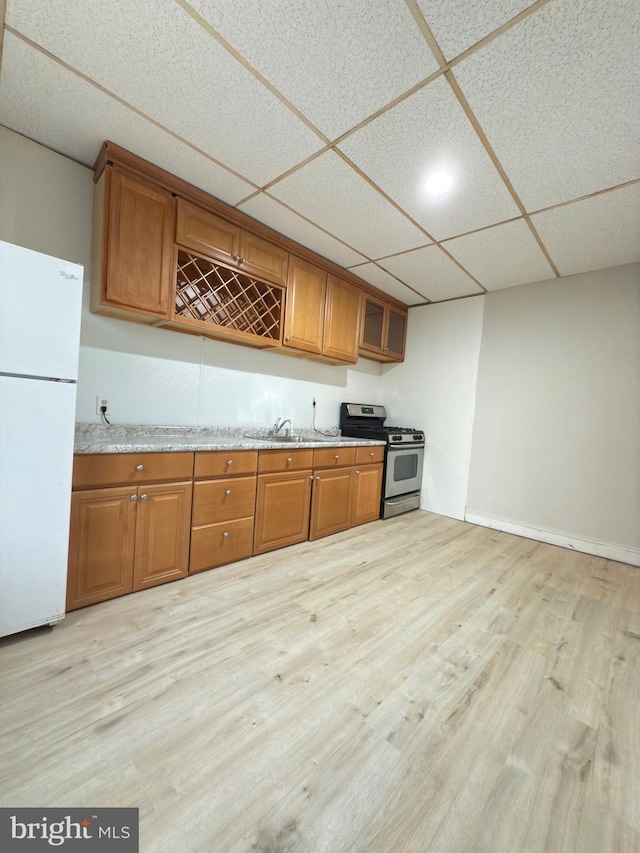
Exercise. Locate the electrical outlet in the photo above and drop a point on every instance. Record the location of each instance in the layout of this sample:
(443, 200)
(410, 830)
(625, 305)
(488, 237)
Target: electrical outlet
(100, 402)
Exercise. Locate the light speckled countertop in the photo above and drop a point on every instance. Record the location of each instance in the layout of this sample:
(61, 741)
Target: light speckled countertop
(140, 438)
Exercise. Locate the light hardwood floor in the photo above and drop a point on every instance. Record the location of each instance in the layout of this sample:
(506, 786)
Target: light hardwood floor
(418, 684)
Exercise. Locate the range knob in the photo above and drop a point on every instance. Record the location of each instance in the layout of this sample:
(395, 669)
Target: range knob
(396, 438)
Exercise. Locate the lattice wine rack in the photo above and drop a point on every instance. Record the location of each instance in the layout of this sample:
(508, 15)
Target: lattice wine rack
(218, 295)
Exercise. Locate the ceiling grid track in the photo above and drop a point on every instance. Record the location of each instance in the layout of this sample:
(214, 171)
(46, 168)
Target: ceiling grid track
(218, 35)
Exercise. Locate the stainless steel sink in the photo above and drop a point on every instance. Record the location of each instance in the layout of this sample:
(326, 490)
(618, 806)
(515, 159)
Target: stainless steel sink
(281, 438)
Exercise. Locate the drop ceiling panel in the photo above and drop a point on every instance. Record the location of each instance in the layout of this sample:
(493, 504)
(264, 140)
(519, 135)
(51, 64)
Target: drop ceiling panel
(155, 56)
(274, 214)
(457, 24)
(599, 232)
(431, 273)
(424, 134)
(557, 96)
(42, 100)
(336, 61)
(386, 282)
(328, 192)
(502, 256)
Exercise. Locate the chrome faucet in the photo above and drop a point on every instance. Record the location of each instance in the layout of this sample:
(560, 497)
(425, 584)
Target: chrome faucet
(280, 424)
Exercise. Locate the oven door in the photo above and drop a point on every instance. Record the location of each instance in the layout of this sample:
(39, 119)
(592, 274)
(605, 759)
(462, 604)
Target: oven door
(403, 471)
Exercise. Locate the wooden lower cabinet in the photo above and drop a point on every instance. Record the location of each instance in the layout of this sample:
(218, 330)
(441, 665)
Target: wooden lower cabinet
(227, 506)
(223, 508)
(124, 539)
(365, 497)
(215, 545)
(331, 502)
(162, 534)
(101, 545)
(345, 495)
(282, 510)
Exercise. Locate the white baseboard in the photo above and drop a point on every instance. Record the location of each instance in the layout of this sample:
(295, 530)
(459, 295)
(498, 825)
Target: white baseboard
(608, 550)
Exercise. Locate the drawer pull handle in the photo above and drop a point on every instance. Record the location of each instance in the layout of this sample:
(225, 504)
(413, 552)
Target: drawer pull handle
(227, 491)
(229, 462)
(133, 498)
(289, 459)
(337, 456)
(226, 534)
(143, 497)
(139, 467)
(372, 453)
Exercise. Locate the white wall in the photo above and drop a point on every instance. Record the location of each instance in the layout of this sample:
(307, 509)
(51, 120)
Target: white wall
(155, 376)
(434, 389)
(556, 442)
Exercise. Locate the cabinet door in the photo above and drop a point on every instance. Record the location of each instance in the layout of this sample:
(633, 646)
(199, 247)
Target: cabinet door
(367, 488)
(305, 306)
(101, 543)
(162, 534)
(396, 333)
(207, 233)
(282, 510)
(373, 325)
(331, 501)
(140, 260)
(263, 259)
(342, 320)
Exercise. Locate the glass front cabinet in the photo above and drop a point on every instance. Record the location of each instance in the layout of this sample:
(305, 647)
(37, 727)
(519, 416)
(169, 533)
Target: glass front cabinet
(384, 330)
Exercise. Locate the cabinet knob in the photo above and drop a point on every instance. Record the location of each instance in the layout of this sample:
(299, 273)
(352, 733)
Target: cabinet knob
(311, 476)
(337, 456)
(143, 497)
(289, 459)
(357, 472)
(139, 467)
(133, 498)
(242, 261)
(226, 534)
(317, 478)
(229, 462)
(372, 453)
(235, 258)
(227, 491)
(287, 338)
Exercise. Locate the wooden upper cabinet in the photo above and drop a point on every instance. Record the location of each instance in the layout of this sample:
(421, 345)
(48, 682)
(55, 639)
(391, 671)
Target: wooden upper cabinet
(166, 253)
(384, 330)
(137, 227)
(322, 313)
(262, 259)
(342, 320)
(305, 305)
(207, 234)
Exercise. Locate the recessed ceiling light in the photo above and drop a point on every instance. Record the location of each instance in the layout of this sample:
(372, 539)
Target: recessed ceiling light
(438, 183)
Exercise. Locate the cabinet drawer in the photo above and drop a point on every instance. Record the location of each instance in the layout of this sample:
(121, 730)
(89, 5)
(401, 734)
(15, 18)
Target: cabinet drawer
(216, 544)
(225, 463)
(273, 461)
(223, 500)
(334, 457)
(110, 469)
(365, 455)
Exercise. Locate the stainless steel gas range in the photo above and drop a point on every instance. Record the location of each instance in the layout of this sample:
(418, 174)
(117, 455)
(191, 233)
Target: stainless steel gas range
(404, 456)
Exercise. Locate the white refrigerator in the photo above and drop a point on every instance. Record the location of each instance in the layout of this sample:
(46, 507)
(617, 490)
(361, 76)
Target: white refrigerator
(40, 308)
